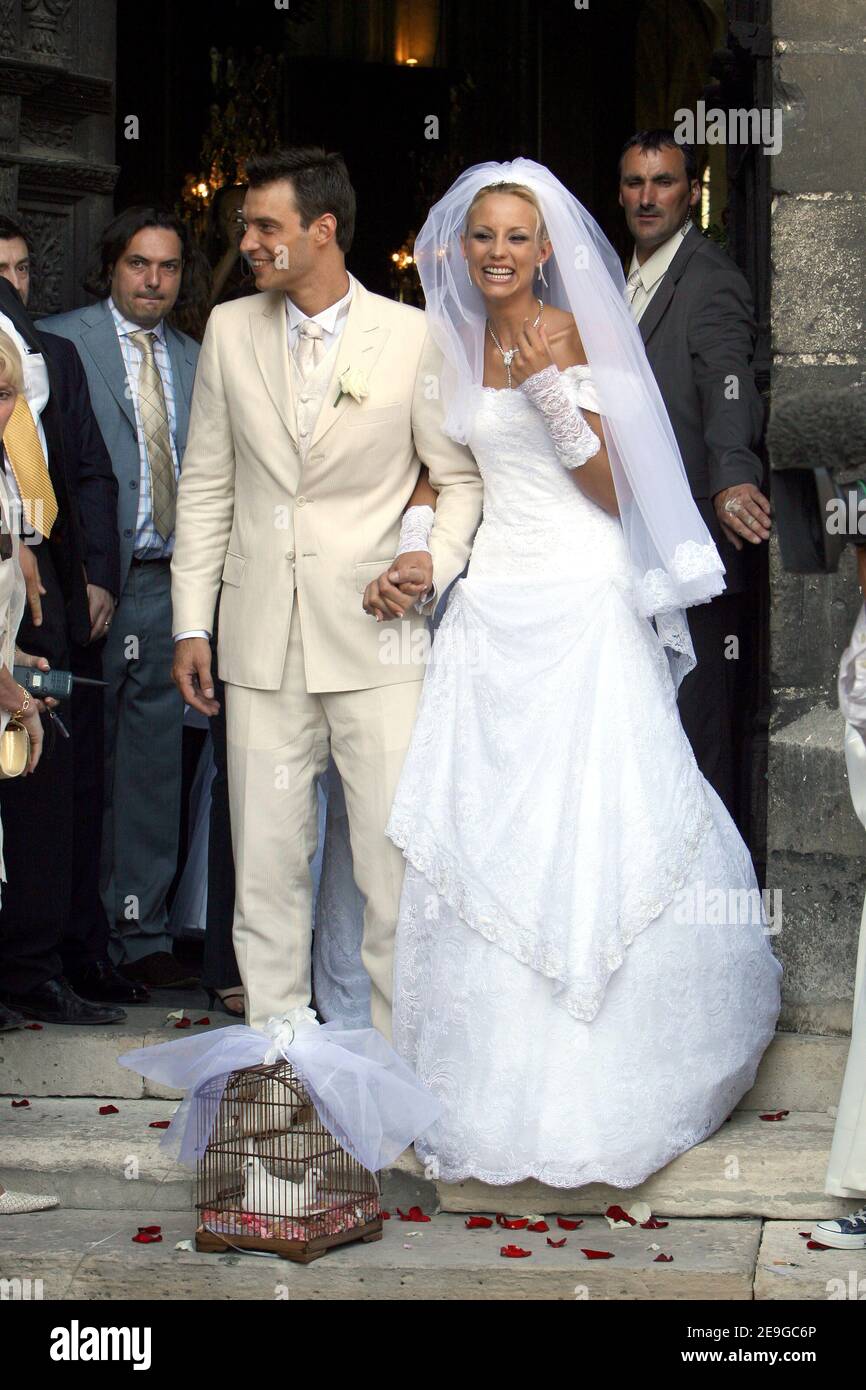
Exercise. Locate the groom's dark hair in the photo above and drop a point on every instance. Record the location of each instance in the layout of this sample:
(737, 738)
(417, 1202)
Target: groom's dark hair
(320, 182)
(656, 140)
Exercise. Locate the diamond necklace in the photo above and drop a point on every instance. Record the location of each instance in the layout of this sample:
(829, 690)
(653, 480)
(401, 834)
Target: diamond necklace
(508, 355)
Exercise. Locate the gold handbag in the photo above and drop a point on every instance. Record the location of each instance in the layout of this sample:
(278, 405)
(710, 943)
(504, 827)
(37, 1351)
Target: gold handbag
(14, 749)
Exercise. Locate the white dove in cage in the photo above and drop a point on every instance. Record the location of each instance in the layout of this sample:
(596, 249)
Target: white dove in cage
(265, 1194)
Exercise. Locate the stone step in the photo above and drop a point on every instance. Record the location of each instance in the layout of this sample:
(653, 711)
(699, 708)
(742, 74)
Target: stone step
(90, 1255)
(749, 1167)
(71, 1061)
(114, 1162)
(788, 1271)
(799, 1071)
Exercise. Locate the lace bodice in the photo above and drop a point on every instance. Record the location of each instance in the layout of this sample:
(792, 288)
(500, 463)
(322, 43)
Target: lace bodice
(536, 515)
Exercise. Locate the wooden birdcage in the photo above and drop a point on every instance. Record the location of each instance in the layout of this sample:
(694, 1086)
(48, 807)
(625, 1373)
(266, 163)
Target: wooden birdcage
(273, 1177)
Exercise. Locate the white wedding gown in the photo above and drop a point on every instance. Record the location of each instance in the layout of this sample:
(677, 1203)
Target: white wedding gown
(552, 984)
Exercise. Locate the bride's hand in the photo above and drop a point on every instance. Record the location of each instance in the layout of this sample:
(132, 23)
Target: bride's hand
(533, 353)
(384, 601)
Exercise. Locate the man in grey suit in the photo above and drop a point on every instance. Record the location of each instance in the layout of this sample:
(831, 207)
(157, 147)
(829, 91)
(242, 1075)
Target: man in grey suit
(694, 310)
(140, 372)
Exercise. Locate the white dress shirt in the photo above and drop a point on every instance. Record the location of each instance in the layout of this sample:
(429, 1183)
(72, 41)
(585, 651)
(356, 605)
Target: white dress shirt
(332, 320)
(644, 280)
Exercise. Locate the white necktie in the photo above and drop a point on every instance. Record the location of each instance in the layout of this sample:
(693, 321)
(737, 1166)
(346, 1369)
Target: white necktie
(633, 284)
(310, 348)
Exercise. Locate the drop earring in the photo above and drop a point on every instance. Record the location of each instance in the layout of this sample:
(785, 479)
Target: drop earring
(540, 273)
(468, 272)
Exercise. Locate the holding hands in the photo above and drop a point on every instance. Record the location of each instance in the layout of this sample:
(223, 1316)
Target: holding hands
(395, 591)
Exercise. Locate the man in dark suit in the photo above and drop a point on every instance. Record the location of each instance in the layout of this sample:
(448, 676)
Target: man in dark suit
(50, 922)
(695, 314)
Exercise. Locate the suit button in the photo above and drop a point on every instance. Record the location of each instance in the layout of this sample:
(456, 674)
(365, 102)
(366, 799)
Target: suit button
(304, 400)
(302, 501)
(133, 484)
(290, 554)
(127, 533)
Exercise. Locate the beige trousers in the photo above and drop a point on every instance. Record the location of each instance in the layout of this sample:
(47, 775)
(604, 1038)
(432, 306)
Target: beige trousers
(278, 743)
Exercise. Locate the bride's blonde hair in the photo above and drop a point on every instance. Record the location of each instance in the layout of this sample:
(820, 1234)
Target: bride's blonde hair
(11, 370)
(519, 190)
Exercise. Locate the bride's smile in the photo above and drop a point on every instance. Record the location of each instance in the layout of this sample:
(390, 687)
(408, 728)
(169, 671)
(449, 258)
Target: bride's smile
(504, 247)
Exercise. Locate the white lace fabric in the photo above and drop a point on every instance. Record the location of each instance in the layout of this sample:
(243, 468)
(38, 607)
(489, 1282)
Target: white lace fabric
(552, 816)
(573, 439)
(415, 529)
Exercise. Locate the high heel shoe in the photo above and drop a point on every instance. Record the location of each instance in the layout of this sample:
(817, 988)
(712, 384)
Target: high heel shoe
(223, 996)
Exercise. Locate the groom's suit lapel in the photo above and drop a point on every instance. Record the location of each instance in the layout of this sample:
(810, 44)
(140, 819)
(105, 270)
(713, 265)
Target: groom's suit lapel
(271, 347)
(359, 346)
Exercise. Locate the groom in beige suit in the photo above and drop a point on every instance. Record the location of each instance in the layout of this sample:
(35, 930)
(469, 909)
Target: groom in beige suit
(291, 497)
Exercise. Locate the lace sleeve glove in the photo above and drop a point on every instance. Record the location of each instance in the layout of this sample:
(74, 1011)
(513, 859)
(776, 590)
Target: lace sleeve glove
(415, 535)
(572, 437)
(415, 530)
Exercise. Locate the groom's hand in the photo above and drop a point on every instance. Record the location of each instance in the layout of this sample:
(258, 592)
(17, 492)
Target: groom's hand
(412, 572)
(191, 674)
(383, 600)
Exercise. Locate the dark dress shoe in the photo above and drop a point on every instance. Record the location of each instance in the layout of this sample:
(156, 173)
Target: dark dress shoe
(55, 1002)
(9, 1019)
(160, 970)
(99, 981)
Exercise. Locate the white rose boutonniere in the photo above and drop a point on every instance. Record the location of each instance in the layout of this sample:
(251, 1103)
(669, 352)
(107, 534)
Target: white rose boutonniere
(353, 382)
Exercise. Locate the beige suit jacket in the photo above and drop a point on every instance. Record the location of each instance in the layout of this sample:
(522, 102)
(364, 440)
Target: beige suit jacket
(267, 530)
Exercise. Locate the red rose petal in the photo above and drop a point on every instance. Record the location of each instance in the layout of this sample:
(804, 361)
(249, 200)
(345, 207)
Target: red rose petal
(777, 1115)
(385, 1215)
(34, 1027)
(816, 1245)
(478, 1223)
(617, 1214)
(653, 1224)
(159, 1124)
(513, 1252)
(184, 1023)
(807, 1235)
(108, 1110)
(203, 1020)
(663, 1260)
(538, 1226)
(144, 1239)
(519, 1223)
(17, 1104)
(413, 1214)
(557, 1244)
(568, 1225)
(597, 1254)
(149, 1230)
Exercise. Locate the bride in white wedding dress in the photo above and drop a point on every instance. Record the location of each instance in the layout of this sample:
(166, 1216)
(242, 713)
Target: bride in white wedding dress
(554, 984)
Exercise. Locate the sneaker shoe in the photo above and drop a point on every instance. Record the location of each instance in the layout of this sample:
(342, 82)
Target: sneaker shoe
(848, 1233)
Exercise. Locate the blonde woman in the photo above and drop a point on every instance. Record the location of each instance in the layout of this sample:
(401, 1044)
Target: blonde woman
(560, 984)
(14, 700)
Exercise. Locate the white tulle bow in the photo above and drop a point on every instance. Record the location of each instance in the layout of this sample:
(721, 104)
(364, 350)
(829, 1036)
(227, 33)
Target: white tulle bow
(365, 1095)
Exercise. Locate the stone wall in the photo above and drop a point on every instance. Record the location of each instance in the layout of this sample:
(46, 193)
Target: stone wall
(816, 845)
(57, 60)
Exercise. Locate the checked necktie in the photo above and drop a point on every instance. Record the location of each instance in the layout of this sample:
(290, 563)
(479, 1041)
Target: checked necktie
(154, 423)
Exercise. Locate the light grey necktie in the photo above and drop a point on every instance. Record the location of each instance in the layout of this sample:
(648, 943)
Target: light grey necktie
(310, 347)
(154, 423)
(633, 284)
